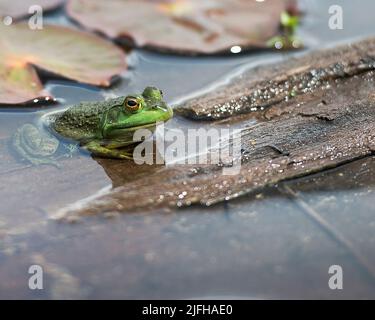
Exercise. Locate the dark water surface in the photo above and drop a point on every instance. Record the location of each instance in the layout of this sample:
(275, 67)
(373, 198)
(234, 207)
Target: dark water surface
(275, 244)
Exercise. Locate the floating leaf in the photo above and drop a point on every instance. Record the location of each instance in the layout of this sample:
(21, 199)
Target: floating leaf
(20, 8)
(187, 26)
(59, 50)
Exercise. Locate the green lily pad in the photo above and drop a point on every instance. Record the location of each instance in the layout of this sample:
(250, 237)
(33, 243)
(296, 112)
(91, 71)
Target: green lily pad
(184, 26)
(62, 51)
(20, 8)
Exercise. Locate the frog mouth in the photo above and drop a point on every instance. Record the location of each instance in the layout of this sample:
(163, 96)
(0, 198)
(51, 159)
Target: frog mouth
(128, 130)
(134, 128)
(144, 126)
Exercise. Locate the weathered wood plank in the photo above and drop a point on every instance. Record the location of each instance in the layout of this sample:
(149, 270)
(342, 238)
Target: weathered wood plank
(316, 130)
(265, 86)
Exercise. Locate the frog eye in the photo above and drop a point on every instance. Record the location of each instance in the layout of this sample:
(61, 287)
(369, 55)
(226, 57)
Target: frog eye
(132, 104)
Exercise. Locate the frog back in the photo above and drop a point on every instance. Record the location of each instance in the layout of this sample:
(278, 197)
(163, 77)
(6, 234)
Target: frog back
(82, 121)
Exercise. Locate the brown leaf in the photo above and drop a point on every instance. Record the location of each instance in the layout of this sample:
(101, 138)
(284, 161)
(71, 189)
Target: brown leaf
(59, 50)
(187, 26)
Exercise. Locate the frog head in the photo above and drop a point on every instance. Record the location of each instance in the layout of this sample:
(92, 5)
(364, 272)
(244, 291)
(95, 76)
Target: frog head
(137, 111)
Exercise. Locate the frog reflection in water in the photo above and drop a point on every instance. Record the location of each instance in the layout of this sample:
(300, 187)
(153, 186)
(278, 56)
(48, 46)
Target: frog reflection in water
(102, 128)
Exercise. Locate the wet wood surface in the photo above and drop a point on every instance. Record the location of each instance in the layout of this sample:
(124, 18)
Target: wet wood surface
(267, 85)
(315, 130)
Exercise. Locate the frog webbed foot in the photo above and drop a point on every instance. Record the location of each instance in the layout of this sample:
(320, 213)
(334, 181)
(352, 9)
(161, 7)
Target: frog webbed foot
(35, 146)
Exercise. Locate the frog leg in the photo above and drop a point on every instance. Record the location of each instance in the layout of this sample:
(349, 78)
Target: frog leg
(35, 160)
(120, 144)
(18, 146)
(97, 149)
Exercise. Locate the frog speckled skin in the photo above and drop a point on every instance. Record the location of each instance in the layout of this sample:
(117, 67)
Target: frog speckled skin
(102, 128)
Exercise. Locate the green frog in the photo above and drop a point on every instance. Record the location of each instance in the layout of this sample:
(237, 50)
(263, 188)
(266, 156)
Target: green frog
(104, 129)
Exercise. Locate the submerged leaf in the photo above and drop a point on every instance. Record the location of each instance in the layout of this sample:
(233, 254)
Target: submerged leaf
(188, 26)
(59, 50)
(20, 8)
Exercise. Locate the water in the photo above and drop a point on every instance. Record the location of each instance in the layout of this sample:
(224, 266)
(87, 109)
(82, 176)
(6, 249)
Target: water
(264, 245)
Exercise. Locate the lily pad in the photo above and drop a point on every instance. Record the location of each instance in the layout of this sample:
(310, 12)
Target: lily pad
(62, 51)
(20, 8)
(185, 26)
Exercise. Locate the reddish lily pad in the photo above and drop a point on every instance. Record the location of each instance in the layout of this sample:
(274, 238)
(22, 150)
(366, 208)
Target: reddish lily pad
(185, 26)
(20, 8)
(62, 51)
